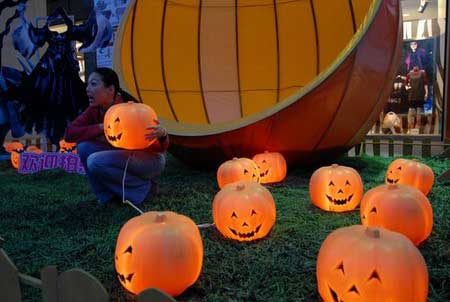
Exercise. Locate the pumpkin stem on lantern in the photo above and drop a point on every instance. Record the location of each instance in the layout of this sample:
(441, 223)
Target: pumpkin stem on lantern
(334, 165)
(240, 187)
(373, 232)
(160, 217)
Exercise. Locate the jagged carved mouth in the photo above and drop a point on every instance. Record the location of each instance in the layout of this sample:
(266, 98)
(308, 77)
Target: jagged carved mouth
(114, 138)
(263, 174)
(126, 279)
(246, 235)
(340, 202)
(392, 181)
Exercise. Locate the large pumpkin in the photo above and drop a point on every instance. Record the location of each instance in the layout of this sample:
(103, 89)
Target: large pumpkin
(368, 264)
(399, 208)
(126, 125)
(159, 249)
(244, 211)
(272, 167)
(237, 169)
(336, 188)
(232, 78)
(412, 173)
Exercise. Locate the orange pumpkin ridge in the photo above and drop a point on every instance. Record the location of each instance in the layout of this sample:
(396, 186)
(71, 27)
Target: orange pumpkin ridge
(399, 208)
(244, 211)
(370, 264)
(336, 188)
(159, 249)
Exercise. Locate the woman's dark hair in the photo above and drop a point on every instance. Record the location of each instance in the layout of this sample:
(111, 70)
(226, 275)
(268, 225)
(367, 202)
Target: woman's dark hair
(110, 78)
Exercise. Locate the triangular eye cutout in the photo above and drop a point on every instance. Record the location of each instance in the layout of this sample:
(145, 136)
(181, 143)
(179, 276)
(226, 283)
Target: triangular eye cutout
(375, 275)
(129, 250)
(233, 215)
(374, 210)
(399, 168)
(331, 183)
(347, 183)
(245, 171)
(253, 212)
(264, 161)
(341, 267)
(117, 120)
(354, 289)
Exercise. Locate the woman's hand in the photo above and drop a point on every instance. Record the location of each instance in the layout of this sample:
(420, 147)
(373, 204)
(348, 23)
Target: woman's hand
(155, 132)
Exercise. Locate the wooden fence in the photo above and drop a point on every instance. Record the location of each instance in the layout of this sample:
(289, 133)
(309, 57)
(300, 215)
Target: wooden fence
(73, 285)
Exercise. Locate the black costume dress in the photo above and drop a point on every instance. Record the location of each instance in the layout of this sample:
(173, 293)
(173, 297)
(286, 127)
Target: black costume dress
(54, 94)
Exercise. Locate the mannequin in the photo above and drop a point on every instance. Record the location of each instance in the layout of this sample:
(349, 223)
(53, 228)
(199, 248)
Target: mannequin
(417, 86)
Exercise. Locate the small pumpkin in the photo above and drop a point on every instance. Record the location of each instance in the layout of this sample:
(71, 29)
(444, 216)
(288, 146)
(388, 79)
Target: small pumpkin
(126, 124)
(370, 264)
(410, 172)
(66, 147)
(399, 208)
(159, 249)
(244, 211)
(237, 169)
(272, 166)
(336, 188)
(16, 148)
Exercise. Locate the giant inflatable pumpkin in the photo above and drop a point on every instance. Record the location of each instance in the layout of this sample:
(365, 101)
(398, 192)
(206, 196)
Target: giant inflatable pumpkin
(232, 78)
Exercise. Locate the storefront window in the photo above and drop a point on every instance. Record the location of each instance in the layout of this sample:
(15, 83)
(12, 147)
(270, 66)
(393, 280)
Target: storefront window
(415, 105)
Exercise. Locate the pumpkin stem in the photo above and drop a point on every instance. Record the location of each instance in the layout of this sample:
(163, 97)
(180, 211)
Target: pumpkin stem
(160, 217)
(266, 151)
(373, 232)
(334, 165)
(235, 158)
(240, 187)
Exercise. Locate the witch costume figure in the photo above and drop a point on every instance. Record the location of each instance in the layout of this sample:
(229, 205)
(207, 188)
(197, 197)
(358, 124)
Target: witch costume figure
(54, 94)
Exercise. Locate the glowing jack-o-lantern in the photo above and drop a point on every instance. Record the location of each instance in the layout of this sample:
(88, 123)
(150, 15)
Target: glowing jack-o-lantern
(126, 125)
(336, 188)
(66, 147)
(244, 211)
(272, 166)
(237, 169)
(159, 249)
(400, 208)
(369, 264)
(16, 148)
(412, 173)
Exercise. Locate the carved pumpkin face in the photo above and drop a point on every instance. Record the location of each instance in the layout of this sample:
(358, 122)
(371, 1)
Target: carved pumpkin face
(65, 147)
(399, 208)
(336, 188)
(244, 211)
(237, 169)
(15, 148)
(367, 264)
(272, 167)
(411, 173)
(159, 249)
(126, 125)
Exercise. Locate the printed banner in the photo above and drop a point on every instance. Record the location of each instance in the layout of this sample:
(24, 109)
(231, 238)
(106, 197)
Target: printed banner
(113, 11)
(33, 162)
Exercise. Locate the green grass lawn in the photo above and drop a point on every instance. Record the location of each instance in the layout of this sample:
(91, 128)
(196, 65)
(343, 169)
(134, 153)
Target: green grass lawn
(47, 219)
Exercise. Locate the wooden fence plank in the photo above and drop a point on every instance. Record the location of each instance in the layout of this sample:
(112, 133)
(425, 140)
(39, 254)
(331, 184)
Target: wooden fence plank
(49, 276)
(407, 146)
(426, 148)
(76, 285)
(153, 295)
(391, 147)
(9, 280)
(376, 147)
